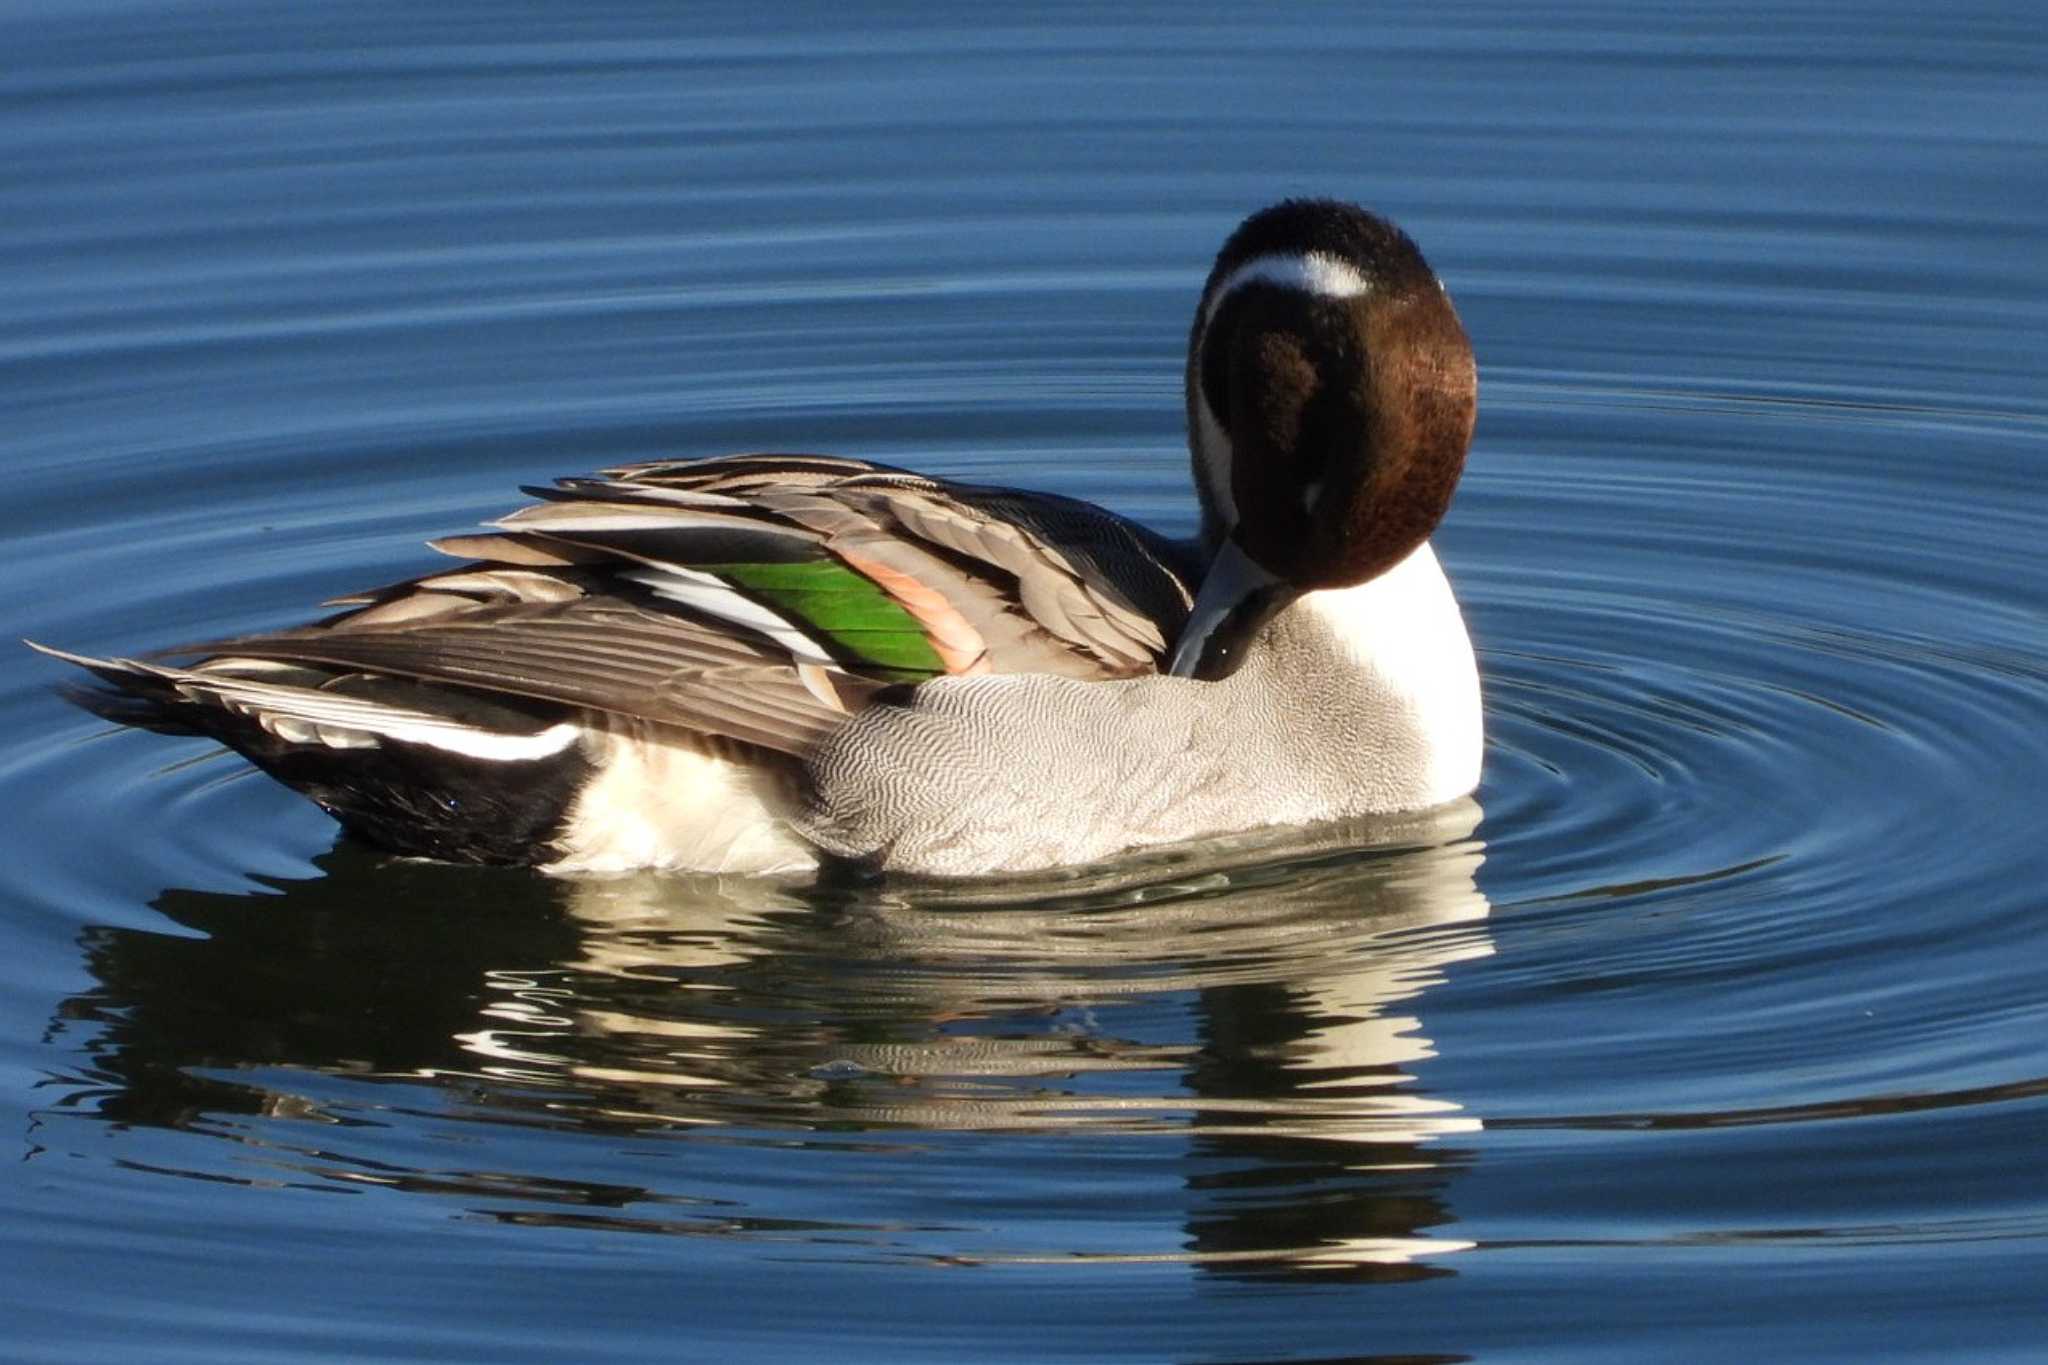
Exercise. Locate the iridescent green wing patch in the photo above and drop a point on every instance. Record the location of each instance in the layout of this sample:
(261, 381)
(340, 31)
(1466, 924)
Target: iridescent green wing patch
(856, 621)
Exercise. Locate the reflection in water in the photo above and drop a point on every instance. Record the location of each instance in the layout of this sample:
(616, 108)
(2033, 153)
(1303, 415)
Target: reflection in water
(1255, 1015)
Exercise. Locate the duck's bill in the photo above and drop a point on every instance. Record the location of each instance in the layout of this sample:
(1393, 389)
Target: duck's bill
(1237, 599)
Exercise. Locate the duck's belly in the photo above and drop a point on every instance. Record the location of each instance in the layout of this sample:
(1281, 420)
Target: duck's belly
(654, 800)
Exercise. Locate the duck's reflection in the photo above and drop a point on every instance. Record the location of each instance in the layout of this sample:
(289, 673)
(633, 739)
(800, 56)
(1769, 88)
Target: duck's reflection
(1240, 1039)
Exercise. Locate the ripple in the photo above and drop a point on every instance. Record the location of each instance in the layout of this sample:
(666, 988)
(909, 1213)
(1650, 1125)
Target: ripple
(1733, 985)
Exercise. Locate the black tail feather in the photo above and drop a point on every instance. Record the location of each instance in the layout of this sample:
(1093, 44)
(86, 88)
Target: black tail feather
(408, 798)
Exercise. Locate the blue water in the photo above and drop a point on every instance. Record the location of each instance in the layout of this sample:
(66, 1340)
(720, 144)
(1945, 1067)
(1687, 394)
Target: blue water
(1718, 1026)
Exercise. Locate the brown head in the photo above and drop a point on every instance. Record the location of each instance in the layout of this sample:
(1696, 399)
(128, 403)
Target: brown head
(1331, 394)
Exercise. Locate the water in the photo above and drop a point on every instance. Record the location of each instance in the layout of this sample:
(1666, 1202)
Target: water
(1715, 1026)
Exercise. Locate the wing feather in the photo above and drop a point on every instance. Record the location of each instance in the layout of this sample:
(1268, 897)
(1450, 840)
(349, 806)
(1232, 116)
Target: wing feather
(602, 656)
(758, 598)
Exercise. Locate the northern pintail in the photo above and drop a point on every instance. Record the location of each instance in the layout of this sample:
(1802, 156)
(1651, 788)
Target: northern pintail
(758, 663)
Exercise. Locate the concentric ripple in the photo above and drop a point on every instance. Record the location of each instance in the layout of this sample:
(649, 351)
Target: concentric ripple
(1713, 1026)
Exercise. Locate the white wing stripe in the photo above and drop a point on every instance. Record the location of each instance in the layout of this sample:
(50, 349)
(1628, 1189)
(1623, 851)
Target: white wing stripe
(713, 596)
(303, 715)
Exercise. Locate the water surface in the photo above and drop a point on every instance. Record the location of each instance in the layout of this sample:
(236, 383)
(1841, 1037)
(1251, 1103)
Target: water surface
(1714, 1025)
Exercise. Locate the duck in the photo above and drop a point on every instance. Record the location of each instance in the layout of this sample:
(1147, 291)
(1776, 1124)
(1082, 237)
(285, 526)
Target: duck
(767, 664)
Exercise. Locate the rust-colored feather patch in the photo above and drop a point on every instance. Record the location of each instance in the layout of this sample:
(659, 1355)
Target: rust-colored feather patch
(953, 638)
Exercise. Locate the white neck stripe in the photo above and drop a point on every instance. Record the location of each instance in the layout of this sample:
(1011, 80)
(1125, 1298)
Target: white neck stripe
(1311, 272)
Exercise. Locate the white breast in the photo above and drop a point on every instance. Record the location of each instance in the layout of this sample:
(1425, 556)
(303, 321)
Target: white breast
(1406, 637)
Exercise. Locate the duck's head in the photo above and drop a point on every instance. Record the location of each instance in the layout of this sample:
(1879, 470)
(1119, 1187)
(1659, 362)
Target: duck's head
(1331, 395)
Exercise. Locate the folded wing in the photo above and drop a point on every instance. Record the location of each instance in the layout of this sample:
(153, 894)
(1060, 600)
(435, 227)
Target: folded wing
(759, 599)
